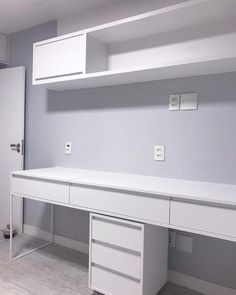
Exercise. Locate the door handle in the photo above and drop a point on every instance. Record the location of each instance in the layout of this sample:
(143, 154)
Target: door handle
(15, 146)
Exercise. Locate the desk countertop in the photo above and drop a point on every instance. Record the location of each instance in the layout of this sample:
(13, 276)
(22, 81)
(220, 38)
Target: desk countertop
(217, 193)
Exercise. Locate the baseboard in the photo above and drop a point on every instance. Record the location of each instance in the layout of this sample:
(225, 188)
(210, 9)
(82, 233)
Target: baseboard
(36, 232)
(59, 240)
(71, 244)
(198, 285)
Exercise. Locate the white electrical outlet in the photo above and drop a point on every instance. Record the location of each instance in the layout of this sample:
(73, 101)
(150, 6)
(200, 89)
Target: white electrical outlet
(174, 102)
(189, 101)
(68, 148)
(184, 244)
(171, 238)
(159, 152)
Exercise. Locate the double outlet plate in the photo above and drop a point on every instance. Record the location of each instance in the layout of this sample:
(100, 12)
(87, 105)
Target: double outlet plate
(159, 152)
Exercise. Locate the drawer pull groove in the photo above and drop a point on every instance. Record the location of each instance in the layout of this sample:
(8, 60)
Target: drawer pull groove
(126, 225)
(116, 272)
(129, 251)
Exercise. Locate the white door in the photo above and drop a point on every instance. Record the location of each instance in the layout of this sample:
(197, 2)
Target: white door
(12, 105)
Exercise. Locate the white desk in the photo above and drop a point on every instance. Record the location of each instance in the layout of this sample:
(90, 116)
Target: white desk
(198, 207)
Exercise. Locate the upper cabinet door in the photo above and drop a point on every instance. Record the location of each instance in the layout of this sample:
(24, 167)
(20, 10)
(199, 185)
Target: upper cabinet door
(3, 48)
(59, 57)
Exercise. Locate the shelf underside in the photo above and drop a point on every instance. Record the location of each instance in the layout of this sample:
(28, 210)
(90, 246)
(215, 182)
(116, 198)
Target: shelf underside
(129, 76)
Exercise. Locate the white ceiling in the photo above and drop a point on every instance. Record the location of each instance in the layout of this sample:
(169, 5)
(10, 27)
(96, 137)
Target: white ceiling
(16, 15)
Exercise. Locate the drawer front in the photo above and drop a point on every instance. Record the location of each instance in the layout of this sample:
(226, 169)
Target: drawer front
(117, 260)
(117, 234)
(127, 205)
(110, 283)
(41, 189)
(59, 58)
(204, 218)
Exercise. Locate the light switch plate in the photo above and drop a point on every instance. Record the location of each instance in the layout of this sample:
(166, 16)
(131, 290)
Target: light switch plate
(159, 152)
(174, 102)
(68, 148)
(189, 101)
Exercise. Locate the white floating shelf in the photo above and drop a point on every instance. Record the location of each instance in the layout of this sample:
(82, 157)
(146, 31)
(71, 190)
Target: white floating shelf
(195, 37)
(109, 78)
(172, 18)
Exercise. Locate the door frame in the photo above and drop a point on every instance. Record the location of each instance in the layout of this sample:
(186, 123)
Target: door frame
(18, 222)
(21, 221)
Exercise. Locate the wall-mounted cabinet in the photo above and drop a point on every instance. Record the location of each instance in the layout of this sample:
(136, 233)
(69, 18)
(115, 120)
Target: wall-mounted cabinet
(59, 57)
(66, 57)
(192, 38)
(3, 49)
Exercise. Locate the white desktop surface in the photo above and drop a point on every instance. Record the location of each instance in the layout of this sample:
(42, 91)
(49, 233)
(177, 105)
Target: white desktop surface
(218, 193)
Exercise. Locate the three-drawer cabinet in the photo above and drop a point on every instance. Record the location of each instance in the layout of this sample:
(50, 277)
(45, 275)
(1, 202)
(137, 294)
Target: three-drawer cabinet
(124, 256)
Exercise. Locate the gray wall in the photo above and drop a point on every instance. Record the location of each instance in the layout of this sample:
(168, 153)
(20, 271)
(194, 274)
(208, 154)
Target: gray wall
(212, 260)
(115, 129)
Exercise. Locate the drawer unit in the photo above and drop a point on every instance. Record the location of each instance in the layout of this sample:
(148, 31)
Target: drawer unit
(42, 189)
(129, 205)
(62, 56)
(204, 218)
(125, 255)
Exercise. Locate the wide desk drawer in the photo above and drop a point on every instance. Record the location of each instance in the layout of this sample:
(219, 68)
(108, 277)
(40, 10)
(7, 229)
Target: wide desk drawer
(204, 218)
(42, 189)
(129, 205)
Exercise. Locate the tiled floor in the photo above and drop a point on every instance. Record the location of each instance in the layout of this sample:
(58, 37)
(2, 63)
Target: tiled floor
(52, 270)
